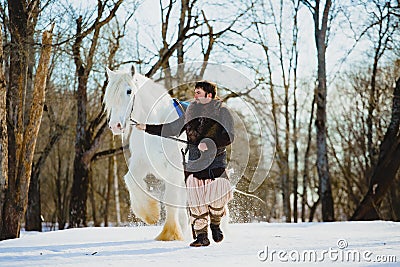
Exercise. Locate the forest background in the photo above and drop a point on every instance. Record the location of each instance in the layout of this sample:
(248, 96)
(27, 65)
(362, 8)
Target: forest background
(330, 71)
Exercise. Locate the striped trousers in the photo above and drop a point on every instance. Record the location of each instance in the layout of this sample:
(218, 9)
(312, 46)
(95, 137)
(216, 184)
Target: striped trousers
(207, 199)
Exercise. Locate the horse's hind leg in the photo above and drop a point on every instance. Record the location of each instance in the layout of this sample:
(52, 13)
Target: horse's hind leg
(174, 201)
(143, 205)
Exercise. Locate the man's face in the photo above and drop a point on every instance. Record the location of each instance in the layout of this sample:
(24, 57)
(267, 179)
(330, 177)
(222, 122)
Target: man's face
(201, 96)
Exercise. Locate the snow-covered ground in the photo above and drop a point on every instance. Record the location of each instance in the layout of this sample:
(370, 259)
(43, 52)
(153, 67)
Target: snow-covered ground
(256, 244)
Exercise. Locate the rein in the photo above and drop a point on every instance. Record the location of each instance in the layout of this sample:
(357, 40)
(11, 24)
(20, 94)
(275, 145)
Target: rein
(133, 122)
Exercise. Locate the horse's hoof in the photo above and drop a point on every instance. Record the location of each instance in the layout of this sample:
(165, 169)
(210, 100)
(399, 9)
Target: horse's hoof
(170, 232)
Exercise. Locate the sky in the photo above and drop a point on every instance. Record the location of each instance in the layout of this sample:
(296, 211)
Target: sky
(146, 26)
(341, 39)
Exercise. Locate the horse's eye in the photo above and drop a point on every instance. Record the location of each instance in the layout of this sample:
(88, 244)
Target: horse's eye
(129, 91)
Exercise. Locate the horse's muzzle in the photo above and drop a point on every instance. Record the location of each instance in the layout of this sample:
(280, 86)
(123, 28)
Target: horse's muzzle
(116, 128)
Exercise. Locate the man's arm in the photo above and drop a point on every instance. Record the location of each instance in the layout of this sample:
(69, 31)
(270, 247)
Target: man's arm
(227, 134)
(174, 128)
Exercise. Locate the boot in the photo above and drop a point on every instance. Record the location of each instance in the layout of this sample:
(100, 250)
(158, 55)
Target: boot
(201, 241)
(217, 234)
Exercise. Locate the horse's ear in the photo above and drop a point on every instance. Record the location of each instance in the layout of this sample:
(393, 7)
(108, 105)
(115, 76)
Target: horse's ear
(109, 72)
(133, 70)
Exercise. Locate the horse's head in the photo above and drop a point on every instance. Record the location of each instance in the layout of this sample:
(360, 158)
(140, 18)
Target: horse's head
(117, 99)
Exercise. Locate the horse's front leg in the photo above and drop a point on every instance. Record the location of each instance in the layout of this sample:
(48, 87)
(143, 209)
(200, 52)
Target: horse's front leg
(143, 205)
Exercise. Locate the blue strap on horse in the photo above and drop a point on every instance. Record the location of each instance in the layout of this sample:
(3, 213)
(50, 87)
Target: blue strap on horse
(180, 106)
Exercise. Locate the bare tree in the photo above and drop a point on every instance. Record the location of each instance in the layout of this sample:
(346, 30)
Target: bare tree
(16, 199)
(386, 168)
(3, 137)
(321, 16)
(88, 134)
(33, 218)
(369, 88)
(381, 20)
(265, 22)
(306, 170)
(193, 27)
(348, 139)
(116, 188)
(18, 22)
(294, 59)
(61, 181)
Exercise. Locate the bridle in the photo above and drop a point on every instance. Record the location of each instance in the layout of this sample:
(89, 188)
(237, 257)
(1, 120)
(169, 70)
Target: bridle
(130, 113)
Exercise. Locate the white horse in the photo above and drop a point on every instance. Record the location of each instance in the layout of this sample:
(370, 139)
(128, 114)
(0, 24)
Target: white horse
(130, 95)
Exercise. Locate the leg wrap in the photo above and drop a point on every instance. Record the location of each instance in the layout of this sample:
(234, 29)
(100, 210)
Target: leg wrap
(216, 214)
(199, 222)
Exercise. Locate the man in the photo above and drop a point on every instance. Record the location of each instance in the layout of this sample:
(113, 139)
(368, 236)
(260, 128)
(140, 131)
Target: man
(209, 129)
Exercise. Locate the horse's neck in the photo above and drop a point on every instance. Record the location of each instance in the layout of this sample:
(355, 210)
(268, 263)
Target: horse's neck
(155, 103)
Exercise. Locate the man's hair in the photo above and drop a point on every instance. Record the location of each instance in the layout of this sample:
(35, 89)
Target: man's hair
(208, 87)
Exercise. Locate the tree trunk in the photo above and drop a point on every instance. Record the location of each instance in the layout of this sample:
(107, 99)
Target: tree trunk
(3, 137)
(17, 194)
(382, 22)
(33, 218)
(281, 158)
(313, 209)
(371, 108)
(80, 185)
(296, 157)
(33, 221)
(295, 131)
(116, 188)
(304, 200)
(36, 112)
(395, 201)
(285, 172)
(325, 190)
(15, 112)
(387, 166)
(180, 49)
(108, 192)
(61, 198)
(96, 222)
(87, 140)
(33, 14)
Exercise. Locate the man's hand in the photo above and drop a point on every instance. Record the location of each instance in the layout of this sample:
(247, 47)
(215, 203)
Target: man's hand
(202, 147)
(140, 126)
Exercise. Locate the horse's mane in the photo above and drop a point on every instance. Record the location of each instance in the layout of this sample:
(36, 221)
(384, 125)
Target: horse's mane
(111, 97)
